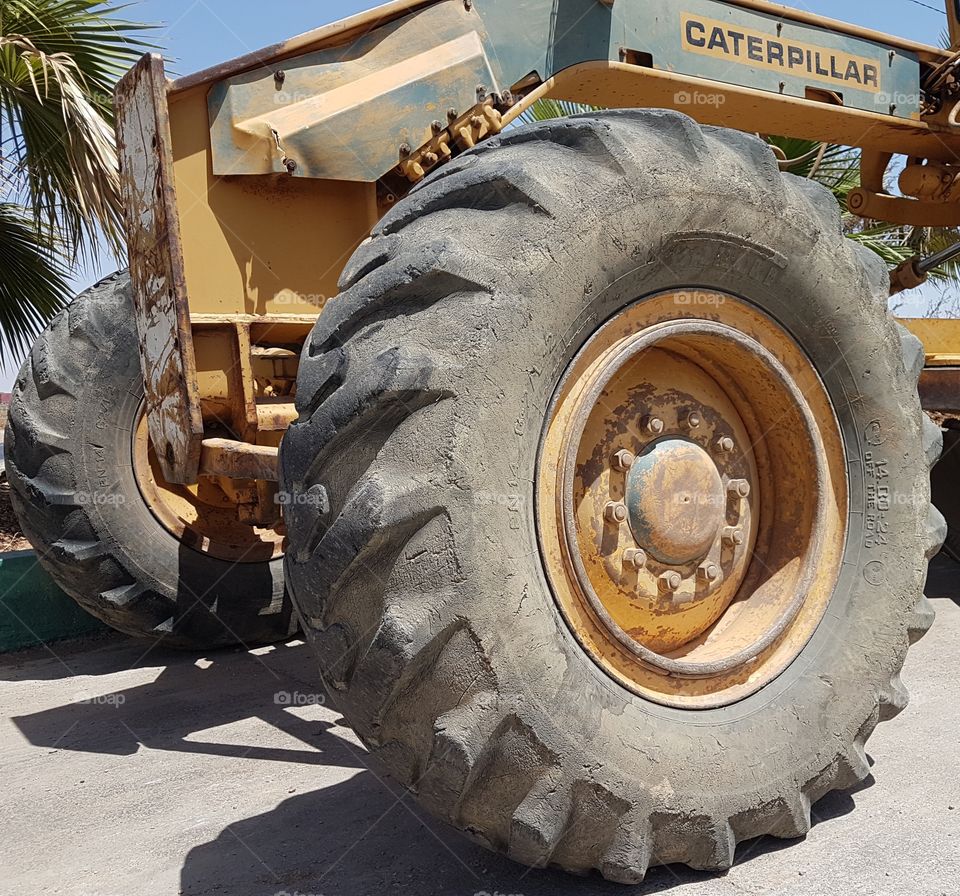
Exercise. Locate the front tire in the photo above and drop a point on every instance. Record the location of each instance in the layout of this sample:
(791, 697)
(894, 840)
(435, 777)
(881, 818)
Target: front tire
(416, 559)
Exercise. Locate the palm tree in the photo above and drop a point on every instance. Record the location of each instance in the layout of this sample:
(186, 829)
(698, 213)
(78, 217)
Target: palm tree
(838, 169)
(59, 60)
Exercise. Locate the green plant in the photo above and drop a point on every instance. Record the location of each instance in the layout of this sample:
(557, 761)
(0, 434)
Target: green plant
(59, 60)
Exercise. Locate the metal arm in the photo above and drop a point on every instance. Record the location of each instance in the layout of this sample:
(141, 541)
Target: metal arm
(915, 271)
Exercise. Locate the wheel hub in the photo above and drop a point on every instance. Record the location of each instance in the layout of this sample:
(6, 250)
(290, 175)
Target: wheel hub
(674, 496)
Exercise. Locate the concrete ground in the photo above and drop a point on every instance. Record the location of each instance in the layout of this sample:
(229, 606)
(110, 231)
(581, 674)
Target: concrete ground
(146, 774)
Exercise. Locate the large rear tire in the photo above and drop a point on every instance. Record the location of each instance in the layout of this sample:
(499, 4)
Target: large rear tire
(420, 556)
(79, 492)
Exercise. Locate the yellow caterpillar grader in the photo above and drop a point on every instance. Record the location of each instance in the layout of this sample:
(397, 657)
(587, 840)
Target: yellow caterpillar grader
(585, 454)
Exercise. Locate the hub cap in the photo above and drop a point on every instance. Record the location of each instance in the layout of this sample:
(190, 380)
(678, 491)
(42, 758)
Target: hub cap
(674, 497)
(692, 500)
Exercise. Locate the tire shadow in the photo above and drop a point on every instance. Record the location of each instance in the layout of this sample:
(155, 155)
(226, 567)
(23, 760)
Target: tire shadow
(365, 836)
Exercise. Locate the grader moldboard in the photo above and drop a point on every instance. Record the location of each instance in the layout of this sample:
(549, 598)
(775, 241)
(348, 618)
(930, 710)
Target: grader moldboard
(586, 452)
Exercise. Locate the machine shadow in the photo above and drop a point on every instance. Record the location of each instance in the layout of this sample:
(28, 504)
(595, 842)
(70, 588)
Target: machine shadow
(194, 694)
(942, 579)
(364, 836)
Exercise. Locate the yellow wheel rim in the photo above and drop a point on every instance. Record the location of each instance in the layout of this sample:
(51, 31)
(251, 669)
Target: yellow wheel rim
(692, 499)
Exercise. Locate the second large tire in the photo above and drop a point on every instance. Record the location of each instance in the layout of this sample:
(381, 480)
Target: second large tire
(68, 448)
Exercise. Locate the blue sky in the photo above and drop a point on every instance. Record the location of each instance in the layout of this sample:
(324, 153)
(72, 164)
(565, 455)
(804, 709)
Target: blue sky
(195, 34)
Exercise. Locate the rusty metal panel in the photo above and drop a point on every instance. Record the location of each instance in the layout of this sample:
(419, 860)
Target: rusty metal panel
(239, 460)
(940, 390)
(344, 115)
(156, 269)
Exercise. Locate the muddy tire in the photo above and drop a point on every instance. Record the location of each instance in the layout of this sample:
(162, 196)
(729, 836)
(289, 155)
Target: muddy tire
(68, 456)
(416, 560)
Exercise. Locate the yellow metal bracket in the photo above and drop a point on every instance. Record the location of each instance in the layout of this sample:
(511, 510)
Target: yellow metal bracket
(932, 205)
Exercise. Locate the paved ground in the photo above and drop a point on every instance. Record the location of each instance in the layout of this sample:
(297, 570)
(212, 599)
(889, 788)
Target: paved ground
(151, 775)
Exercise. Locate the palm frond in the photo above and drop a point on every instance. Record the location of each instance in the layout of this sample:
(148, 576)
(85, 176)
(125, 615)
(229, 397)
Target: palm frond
(33, 282)
(59, 60)
(547, 109)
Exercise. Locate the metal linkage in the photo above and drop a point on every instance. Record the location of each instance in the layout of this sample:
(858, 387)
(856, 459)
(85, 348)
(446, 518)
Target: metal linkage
(915, 271)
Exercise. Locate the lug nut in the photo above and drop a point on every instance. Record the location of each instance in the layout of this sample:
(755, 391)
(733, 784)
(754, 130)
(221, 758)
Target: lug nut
(739, 488)
(670, 581)
(653, 425)
(732, 536)
(615, 512)
(708, 572)
(692, 420)
(623, 460)
(634, 558)
(724, 444)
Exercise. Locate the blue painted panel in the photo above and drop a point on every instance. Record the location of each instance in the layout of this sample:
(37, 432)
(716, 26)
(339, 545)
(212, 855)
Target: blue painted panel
(752, 49)
(721, 42)
(343, 113)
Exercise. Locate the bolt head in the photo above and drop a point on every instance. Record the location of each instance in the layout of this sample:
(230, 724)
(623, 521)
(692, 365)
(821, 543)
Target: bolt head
(290, 165)
(670, 581)
(732, 536)
(708, 572)
(452, 114)
(692, 420)
(739, 488)
(615, 512)
(404, 150)
(653, 425)
(436, 126)
(725, 445)
(634, 558)
(623, 460)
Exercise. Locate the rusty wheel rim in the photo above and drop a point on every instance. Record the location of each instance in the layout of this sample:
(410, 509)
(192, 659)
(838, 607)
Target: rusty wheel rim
(691, 499)
(203, 517)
